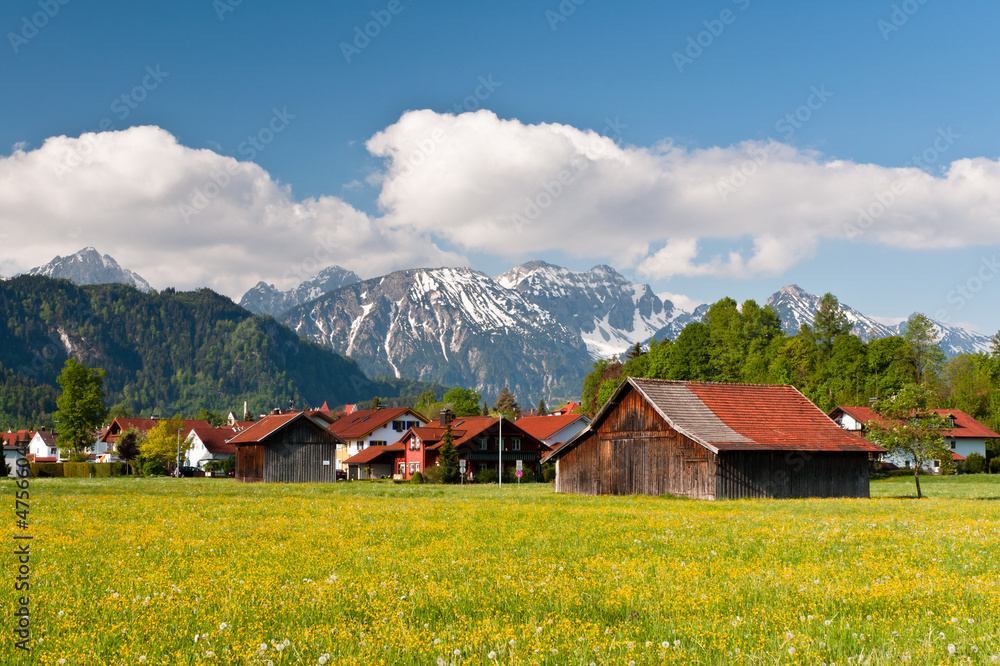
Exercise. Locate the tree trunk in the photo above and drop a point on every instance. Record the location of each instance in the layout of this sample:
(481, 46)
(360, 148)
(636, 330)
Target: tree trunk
(916, 478)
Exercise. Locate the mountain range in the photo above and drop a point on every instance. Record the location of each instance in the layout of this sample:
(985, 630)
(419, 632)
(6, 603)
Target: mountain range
(536, 328)
(88, 266)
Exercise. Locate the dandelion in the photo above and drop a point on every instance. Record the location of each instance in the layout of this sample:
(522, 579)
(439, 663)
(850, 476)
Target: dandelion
(491, 655)
(951, 649)
(791, 651)
(223, 626)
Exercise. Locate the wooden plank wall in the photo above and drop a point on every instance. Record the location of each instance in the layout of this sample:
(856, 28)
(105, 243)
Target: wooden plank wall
(792, 474)
(292, 455)
(635, 452)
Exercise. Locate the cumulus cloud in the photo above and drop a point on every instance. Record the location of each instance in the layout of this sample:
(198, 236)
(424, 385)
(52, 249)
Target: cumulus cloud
(501, 186)
(184, 217)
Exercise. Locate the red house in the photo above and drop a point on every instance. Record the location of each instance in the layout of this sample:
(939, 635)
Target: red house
(477, 440)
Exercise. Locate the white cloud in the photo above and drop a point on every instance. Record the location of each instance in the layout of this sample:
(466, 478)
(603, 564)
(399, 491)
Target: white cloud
(500, 186)
(157, 207)
(680, 301)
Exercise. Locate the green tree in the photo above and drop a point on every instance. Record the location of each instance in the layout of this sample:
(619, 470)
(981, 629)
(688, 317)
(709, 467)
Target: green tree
(448, 458)
(163, 442)
(120, 411)
(5, 468)
(829, 323)
(908, 428)
(462, 402)
(81, 408)
(635, 352)
(922, 338)
(995, 345)
(726, 342)
(376, 403)
(542, 409)
(690, 358)
(507, 405)
(214, 419)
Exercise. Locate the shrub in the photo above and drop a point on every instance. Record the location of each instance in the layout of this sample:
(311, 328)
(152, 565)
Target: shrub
(548, 472)
(995, 465)
(78, 469)
(154, 468)
(975, 463)
(434, 474)
(417, 478)
(78, 457)
(42, 470)
(486, 476)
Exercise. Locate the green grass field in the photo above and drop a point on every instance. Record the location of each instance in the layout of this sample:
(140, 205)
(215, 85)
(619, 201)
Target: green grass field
(194, 571)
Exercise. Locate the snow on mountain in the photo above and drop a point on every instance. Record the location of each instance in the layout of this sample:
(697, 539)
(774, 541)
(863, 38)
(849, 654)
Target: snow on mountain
(88, 266)
(265, 298)
(455, 326)
(610, 313)
(795, 307)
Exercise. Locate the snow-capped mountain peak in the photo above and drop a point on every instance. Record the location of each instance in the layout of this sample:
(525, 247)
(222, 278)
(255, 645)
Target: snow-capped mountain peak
(88, 266)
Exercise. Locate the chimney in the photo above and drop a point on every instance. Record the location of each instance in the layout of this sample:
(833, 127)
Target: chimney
(446, 417)
(276, 410)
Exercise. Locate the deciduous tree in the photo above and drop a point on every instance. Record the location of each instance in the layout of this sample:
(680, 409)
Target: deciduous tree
(81, 408)
(922, 338)
(908, 428)
(163, 442)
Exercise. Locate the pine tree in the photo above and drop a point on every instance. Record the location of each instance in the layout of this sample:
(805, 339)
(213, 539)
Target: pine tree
(542, 409)
(448, 458)
(830, 322)
(507, 405)
(635, 352)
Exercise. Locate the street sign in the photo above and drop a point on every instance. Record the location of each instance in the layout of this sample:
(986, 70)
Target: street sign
(461, 465)
(518, 472)
(519, 466)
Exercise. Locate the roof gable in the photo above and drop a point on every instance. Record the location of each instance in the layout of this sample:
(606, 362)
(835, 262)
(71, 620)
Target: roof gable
(965, 425)
(543, 427)
(269, 425)
(365, 421)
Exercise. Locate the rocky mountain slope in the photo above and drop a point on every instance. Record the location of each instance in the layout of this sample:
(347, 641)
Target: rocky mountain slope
(265, 298)
(88, 266)
(454, 326)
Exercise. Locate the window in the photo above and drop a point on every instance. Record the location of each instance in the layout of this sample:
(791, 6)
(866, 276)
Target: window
(377, 442)
(515, 443)
(398, 425)
(952, 445)
(484, 444)
(414, 467)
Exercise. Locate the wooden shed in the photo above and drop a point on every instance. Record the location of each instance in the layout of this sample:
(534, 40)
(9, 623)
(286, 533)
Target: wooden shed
(287, 448)
(712, 441)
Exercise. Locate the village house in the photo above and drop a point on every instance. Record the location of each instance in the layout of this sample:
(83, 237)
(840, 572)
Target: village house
(43, 447)
(295, 447)
(963, 434)
(477, 440)
(554, 429)
(363, 428)
(104, 447)
(16, 446)
(212, 444)
(712, 441)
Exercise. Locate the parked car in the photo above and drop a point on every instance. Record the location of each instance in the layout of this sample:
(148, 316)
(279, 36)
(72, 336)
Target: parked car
(341, 475)
(189, 471)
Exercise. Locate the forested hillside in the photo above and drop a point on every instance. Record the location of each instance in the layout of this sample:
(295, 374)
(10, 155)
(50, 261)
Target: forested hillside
(167, 352)
(825, 361)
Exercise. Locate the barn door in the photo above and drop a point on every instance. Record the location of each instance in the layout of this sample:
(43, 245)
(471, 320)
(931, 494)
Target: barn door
(696, 476)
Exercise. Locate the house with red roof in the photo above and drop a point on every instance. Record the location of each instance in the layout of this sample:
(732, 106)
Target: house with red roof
(962, 434)
(555, 429)
(293, 447)
(105, 444)
(568, 408)
(43, 447)
(363, 428)
(708, 440)
(16, 446)
(211, 444)
(484, 442)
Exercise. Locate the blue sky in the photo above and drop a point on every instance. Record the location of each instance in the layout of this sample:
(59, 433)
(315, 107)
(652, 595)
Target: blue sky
(686, 95)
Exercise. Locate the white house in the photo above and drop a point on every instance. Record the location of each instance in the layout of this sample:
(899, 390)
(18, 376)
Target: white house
(43, 448)
(963, 435)
(555, 429)
(210, 444)
(14, 446)
(373, 427)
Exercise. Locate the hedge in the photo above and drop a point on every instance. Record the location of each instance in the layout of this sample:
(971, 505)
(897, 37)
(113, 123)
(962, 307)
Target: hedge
(77, 470)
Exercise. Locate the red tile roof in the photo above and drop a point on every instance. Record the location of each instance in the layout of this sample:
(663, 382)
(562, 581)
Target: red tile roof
(372, 453)
(365, 421)
(145, 425)
(965, 425)
(543, 427)
(567, 408)
(17, 439)
(214, 439)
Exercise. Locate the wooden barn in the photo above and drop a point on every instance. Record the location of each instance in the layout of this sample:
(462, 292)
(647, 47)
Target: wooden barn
(287, 448)
(712, 441)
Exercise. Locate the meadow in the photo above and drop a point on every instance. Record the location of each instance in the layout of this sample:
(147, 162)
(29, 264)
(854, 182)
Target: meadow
(209, 571)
